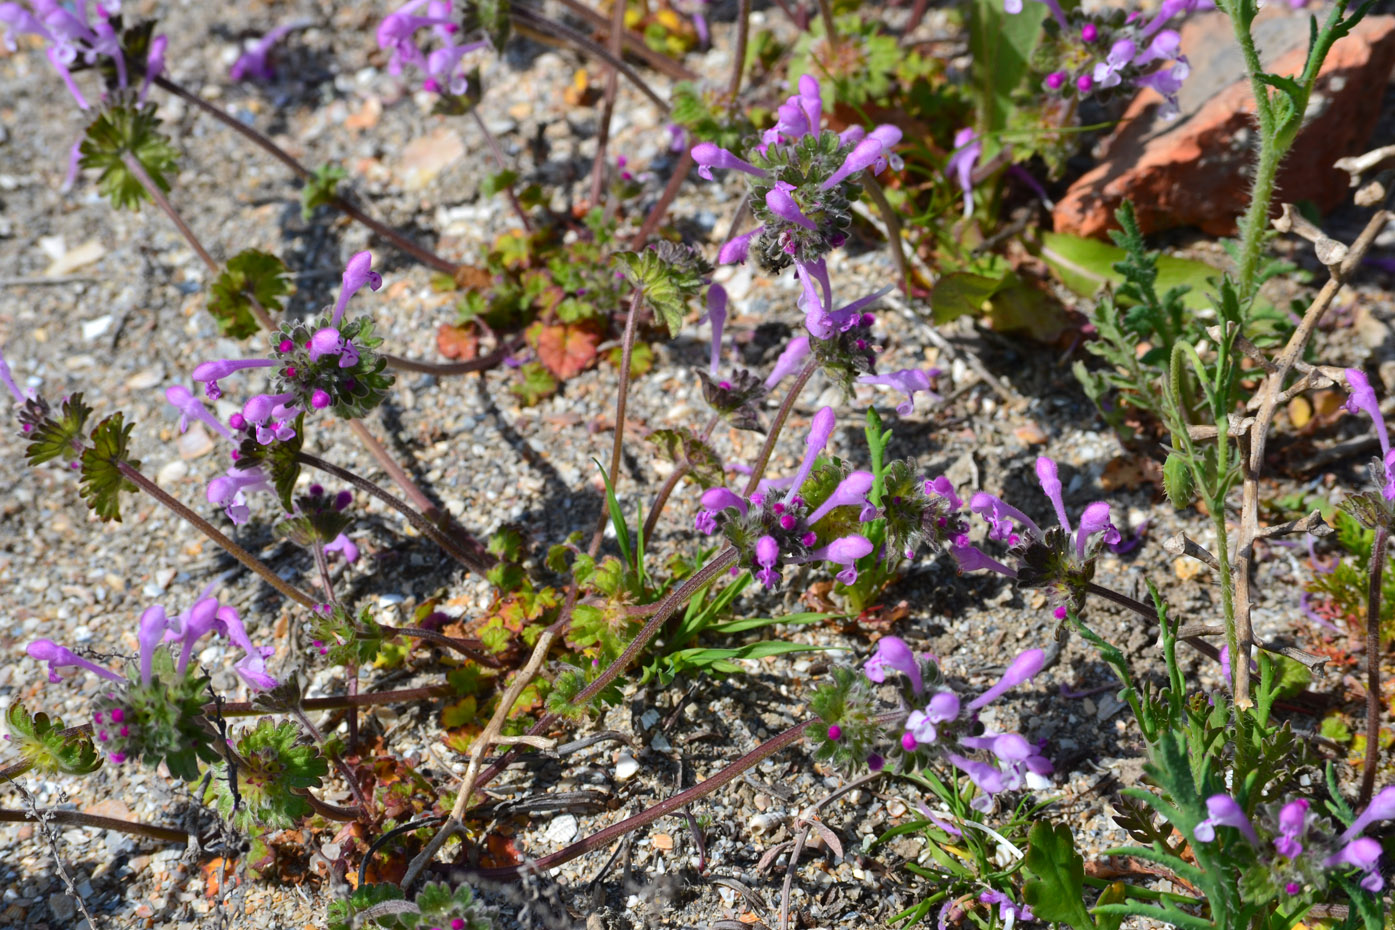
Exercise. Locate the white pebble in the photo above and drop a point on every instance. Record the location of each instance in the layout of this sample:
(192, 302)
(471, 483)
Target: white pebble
(626, 767)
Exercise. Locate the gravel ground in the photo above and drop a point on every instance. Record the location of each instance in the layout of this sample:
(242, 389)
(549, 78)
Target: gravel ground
(124, 317)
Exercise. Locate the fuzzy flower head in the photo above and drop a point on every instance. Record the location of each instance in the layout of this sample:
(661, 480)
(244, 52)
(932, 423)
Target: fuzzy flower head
(802, 179)
(1089, 54)
(1060, 560)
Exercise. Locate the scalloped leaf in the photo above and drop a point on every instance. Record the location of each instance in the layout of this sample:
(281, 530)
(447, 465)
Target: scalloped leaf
(51, 439)
(134, 128)
(41, 740)
(250, 274)
(102, 481)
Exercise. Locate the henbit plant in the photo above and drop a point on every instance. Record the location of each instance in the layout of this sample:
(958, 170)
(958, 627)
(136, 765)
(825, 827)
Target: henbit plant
(1219, 810)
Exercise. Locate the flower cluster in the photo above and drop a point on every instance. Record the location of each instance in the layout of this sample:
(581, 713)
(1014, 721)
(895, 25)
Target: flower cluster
(935, 722)
(1289, 848)
(254, 63)
(330, 365)
(156, 710)
(443, 67)
(802, 180)
(1093, 54)
(80, 36)
(1060, 559)
(1372, 509)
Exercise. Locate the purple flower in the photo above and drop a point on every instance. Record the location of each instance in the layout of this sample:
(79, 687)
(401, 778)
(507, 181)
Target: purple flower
(1008, 911)
(151, 633)
(783, 205)
(325, 341)
(719, 499)
(398, 30)
(967, 150)
(1002, 518)
(923, 724)
(1022, 669)
(908, 381)
(1225, 812)
(46, 650)
(985, 776)
(789, 361)
(767, 554)
(344, 545)
(8, 379)
(253, 62)
(819, 432)
(229, 491)
(974, 559)
(818, 318)
(358, 272)
(252, 666)
(1051, 487)
(444, 67)
(893, 653)
(845, 552)
(1363, 400)
(871, 152)
(1095, 519)
(190, 406)
(209, 373)
(941, 487)
(709, 155)
(1365, 855)
(735, 251)
(154, 64)
(1120, 56)
(717, 316)
(1382, 807)
(851, 492)
(192, 625)
(1293, 824)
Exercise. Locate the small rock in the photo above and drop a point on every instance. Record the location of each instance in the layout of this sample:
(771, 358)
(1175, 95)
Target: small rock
(1194, 171)
(172, 473)
(96, 329)
(67, 261)
(163, 577)
(1030, 434)
(145, 379)
(561, 830)
(194, 443)
(61, 906)
(626, 767)
(663, 841)
(424, 158)
(1187, 568)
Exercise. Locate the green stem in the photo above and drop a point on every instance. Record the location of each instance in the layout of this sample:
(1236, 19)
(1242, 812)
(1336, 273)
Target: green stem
(1373, 654)
(622, 396)
(208, 529)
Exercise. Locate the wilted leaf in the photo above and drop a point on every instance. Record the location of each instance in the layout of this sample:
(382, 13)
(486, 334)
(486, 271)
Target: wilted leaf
(457, 342)
(567, 350)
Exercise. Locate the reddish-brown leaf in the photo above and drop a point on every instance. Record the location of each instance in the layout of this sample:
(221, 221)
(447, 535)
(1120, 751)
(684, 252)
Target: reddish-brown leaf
(457, 342)
(567, 350)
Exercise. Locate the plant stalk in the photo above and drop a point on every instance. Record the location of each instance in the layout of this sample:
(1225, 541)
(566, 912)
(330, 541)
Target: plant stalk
(1373, 656)
(209, 530)
(401, 242)
(479, 564)
(78, 818)
(621, 401)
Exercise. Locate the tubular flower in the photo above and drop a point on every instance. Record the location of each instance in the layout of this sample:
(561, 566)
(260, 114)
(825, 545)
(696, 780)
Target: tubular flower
(254, 61)
(908, 381)
(1022, 669)
(46, 650)
(1362, 399)
(968, 148)
(708, 155)
(893, 653)
(1225, 812)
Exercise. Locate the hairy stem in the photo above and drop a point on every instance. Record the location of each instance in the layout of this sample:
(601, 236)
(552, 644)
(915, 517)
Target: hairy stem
(763, 459)
(78, 818)
(470, 648)
(401, 242)
(209, 530)
(1373, 655)
(479, 564)
(612, 87)
(738, 61)
(136, 168)
(622, 395)
(651, 519)
(446, 369)
(656, 215)
(338, 702)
